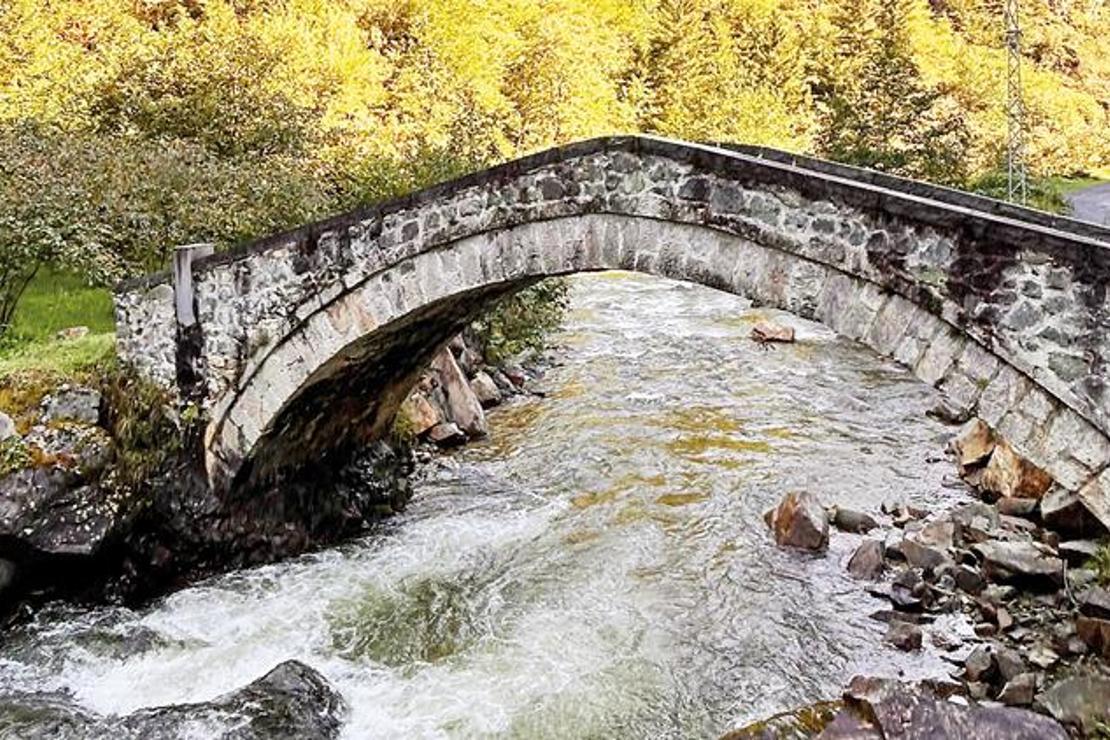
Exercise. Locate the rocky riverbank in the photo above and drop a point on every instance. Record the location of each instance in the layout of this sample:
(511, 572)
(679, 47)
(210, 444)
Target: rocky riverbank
(292, 701)
(1008, 588)
(77, 521)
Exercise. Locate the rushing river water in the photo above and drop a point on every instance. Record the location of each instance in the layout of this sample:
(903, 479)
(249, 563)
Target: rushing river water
(598, 568)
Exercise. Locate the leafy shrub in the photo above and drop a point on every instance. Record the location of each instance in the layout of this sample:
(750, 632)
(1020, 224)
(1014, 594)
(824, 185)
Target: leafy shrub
(14, 456)
(1041, 193)
(144, 426)
(523, 320)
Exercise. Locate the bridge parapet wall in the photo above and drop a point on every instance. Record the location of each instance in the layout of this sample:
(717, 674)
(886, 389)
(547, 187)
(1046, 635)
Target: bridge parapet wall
(1020, 310)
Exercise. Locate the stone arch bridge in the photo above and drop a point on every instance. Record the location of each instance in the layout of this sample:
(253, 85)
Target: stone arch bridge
(300, 345)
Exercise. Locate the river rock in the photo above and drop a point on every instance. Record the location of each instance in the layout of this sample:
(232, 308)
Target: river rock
(485, 390)
(76, 404)
(1019, 561)
(866, 562)
(1014, 506)
(420, 413)
(1019, 690)
(968, 579)
(1095, 633)
(1095, 602)
(904, 636)
(1062, 510)
(1082, 702)
(446, 434)
(979, 665)
(462, 407)
(973, 444)
(7, 427)
(290, 702)
(769, 331)
(1095, 498)
(1077, 552)
(850, 520)
(45, 510)
(929, 546)
(799, 521)
(1009, 474)
(908, 712)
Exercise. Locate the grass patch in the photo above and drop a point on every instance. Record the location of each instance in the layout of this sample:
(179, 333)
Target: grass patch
(1068, 185)
(1100, 563)
(55, 301)
(61, 358)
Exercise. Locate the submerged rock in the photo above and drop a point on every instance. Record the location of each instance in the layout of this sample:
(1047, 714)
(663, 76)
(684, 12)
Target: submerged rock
(904, 636)
(290, 702)
(799, 521)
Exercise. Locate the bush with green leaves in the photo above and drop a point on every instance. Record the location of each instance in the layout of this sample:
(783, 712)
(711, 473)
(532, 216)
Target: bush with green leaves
(523, 320)
(108, 206)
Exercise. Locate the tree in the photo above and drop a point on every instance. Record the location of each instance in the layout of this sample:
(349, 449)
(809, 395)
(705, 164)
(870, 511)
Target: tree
(112, 206)
(877, 111)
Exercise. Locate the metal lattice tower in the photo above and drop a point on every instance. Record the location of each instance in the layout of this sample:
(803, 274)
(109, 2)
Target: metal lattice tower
(1015, 108)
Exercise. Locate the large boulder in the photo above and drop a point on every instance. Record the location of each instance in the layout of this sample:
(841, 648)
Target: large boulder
(485, 390)
(1082, 702)
(419, 413)
(799, 521)
(292, 701)
(1025, 562)
(462, 406)
(1009, 474)
(973, 444)
(46, 511)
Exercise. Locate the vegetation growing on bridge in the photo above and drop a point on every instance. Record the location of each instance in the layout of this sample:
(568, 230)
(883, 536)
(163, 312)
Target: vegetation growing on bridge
(129, 127)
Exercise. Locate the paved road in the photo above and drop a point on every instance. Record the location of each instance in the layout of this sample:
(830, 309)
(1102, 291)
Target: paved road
(1092, 204)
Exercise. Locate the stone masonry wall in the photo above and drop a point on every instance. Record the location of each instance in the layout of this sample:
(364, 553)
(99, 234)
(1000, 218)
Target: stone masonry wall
(1004, 316)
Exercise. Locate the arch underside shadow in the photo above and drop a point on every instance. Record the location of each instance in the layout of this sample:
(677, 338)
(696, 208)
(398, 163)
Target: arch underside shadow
(338, 378)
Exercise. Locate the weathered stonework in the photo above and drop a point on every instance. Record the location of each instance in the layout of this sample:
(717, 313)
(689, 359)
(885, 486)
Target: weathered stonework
(312, 338)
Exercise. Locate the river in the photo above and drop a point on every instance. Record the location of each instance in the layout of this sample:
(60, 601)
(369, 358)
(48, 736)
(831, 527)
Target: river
(599, 567)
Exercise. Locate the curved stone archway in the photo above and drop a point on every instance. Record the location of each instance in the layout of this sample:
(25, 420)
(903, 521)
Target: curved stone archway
(310, 339)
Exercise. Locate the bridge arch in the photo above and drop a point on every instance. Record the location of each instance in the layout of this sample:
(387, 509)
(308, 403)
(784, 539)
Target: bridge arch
(1004, 310)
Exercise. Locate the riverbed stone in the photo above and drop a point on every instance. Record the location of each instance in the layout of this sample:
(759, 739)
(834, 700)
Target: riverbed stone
(1095, 602)
(1095, 633)
(420, 413)
(866, 562)
(850, 520)
(485, 390)
(904, 636)
(799, 521)
(463, 408)
(929, 546)
(291, 702)
(1024, 562)
(1077, 552)
(901, 710)
(1019, 690)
